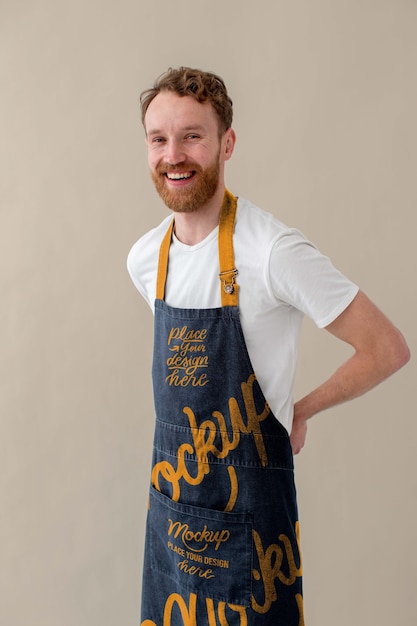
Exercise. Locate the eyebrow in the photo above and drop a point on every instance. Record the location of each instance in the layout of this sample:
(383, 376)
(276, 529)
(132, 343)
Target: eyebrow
(196, 127)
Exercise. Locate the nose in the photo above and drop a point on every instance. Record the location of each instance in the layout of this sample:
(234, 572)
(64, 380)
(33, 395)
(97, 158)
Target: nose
(174, 152)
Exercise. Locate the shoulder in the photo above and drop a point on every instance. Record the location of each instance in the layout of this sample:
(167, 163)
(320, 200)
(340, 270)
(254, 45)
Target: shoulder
(258, 229)
(147, 245)
(258, 222)
(150, 240)
(264, 235)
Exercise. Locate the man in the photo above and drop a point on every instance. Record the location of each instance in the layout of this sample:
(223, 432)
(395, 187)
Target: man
(229, 285)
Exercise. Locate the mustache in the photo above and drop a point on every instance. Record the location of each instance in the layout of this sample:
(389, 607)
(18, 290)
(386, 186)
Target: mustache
(187, 166)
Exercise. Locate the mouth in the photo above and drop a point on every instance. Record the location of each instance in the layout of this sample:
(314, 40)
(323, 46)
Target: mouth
(179, 175)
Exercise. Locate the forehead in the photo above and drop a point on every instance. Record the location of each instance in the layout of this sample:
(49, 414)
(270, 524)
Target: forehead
(169, 111)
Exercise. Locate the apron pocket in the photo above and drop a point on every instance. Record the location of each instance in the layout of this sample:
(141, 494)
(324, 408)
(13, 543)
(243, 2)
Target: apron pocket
(205, 551)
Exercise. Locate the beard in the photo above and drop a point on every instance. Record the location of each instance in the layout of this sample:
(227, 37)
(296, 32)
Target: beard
(188, 199)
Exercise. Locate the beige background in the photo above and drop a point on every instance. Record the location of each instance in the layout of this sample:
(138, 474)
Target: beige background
(325, 98)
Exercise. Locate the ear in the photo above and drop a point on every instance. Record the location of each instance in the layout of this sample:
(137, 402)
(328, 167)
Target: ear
(229, 140)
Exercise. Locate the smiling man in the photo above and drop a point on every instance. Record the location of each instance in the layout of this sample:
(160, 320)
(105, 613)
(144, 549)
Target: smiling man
(184, 157)
(229, 285)
(187, 150)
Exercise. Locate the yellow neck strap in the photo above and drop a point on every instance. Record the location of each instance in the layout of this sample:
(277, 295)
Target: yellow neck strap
(228, 272)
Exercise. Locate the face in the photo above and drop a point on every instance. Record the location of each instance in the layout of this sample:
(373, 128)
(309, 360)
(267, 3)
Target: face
(185, 152)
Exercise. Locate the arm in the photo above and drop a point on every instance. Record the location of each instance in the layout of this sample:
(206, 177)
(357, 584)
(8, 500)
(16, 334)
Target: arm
(380, 350)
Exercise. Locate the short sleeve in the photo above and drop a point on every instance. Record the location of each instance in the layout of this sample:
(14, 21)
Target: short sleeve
(300, 276)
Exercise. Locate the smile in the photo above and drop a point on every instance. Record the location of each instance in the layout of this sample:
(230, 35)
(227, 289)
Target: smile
(179, 175)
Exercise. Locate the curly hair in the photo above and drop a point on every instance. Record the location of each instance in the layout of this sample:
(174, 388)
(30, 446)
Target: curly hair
(202, 86)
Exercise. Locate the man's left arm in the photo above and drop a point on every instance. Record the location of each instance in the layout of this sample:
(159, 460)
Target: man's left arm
(379, 351)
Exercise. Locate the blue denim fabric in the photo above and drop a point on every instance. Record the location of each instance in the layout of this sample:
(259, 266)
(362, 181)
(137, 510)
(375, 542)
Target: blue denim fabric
(222, 542)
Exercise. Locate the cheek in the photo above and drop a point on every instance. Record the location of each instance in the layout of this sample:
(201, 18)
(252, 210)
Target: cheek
(153, 160)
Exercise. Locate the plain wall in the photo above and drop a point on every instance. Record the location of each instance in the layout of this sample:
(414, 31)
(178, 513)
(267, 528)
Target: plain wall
(325, 113)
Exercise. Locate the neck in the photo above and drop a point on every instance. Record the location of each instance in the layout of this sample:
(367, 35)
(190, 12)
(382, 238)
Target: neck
(191, 228)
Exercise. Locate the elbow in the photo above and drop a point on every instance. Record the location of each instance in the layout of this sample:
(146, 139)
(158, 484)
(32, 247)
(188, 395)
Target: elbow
(398, 354)
(406, 355)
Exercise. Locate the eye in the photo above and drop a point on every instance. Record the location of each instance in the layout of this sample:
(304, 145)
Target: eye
(192, 136)
(158, 140)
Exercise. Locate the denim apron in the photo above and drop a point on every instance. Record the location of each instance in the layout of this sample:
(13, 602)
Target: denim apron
(222, 540)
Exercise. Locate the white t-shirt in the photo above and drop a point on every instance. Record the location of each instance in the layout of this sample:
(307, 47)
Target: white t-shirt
(282, 276)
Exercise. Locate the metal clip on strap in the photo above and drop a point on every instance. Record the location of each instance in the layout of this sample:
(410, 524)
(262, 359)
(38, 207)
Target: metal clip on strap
(228, 280)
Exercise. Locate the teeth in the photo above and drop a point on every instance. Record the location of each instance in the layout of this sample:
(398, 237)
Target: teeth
(179, 175)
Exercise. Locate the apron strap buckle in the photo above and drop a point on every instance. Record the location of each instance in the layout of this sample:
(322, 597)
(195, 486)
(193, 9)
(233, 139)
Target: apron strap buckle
(228, 279)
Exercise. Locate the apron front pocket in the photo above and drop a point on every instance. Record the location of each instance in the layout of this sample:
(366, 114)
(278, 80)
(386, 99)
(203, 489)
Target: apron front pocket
(204, 551)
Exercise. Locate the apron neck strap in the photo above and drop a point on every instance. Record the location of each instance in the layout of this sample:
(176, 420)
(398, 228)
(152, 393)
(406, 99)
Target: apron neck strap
(163, 263)
(228, 272)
